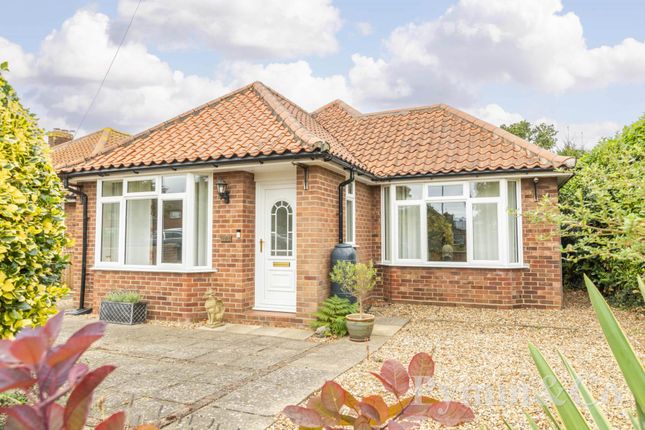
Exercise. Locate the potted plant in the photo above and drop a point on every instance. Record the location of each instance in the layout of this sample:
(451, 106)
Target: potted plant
(123, 307)
(358, 279)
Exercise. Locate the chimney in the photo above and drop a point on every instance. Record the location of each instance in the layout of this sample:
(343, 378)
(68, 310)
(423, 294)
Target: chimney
(58, 136)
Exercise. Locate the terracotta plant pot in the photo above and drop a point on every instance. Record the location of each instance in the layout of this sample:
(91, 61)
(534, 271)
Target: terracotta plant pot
(360, 327)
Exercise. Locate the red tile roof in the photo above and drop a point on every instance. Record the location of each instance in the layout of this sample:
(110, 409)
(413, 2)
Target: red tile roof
(76, 151)
(430, 140)
(255, 120)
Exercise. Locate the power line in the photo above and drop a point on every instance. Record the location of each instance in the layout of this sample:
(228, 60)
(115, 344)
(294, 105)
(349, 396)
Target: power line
(107, 72)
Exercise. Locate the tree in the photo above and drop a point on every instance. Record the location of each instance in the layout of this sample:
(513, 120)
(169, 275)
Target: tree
(543, 135)
(602, 216)
(32, 233)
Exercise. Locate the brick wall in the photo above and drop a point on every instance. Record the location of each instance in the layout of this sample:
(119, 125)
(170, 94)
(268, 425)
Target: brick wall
(317, 234)
(179, 296)
(539, 285)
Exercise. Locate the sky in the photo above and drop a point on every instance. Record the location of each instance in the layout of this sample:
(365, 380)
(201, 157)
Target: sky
(578, 64)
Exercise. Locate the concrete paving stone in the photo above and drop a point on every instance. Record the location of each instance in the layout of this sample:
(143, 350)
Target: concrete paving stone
(298, 345)
(269, 394)
(107, 401)
(296, 334)
(148, 383)
(396, 321)
(219, 375)
(186, 393)
(148, 410)
(263, 358)
(187, 353)
(385, 330)
(239, 328)
(214, 418)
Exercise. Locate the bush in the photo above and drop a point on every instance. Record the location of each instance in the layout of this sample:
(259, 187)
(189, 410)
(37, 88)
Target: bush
(358, 279)
(32, 233)
(331, 313)
(48, 373)
(336, 408)
(123, 296)
(570, 416)
(602, 217)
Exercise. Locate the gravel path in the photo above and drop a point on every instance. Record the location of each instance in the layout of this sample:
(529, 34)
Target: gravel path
(482, 357)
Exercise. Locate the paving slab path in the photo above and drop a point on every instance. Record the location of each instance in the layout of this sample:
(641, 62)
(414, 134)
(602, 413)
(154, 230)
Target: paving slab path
(229, 378)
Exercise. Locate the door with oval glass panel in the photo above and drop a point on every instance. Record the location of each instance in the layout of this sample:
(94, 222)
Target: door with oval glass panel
(275, 269)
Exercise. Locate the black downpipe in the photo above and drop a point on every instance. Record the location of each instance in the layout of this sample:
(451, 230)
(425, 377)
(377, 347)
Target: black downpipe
(81, 303)
(340, 204)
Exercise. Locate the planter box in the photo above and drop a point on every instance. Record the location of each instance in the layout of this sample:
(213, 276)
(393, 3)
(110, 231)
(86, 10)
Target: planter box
(123, 313)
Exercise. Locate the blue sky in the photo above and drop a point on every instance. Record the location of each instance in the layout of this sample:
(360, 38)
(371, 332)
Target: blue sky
(579, 64)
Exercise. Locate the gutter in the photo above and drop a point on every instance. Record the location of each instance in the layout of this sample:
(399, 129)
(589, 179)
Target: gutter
(449, 174)
(340, 204)
(81, 310)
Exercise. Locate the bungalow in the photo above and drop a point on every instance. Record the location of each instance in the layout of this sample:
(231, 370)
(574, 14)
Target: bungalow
(249, 194)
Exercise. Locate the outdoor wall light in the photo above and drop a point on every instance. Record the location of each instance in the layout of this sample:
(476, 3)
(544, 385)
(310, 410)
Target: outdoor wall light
(535, 189)
(222, 190)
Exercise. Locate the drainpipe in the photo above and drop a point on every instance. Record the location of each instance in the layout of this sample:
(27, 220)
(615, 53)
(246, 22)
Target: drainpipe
(81, 304)
(340, 204)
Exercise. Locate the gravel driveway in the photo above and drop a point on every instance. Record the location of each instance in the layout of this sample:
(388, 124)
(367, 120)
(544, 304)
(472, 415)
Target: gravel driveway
(482, 357)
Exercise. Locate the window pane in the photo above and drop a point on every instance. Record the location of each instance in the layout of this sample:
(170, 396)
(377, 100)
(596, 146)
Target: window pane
(386, 223)
(484, 189)
(146, 185)
(281, 230)
(141, 232)
(408, 192)
(513, 234)
(110, 232)
(447, 231)
(112, 188)
(485, 238)
(445, 190)
(409, 235)
(173, 184)
(350, 222)
(201, 221)
(173, 233)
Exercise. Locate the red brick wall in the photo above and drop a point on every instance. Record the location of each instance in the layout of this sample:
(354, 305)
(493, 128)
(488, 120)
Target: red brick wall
(539, 285)
(179, 296)
(317, 234)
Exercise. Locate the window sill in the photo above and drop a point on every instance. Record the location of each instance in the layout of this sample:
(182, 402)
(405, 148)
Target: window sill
(455, 265)
(153, 269)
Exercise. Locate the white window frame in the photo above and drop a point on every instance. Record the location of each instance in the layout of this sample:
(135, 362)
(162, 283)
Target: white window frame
(188, 213)
(350, 197)
(502, 214)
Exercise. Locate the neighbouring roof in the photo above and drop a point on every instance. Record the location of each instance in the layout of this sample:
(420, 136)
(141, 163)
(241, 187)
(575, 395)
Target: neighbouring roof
(65, 155)
(257, 121)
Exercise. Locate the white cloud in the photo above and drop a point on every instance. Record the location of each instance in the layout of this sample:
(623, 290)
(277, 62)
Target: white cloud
(295, 81)
(364, 28)
(61, 79)
(480, 42)
(241, 28)
(495, 114)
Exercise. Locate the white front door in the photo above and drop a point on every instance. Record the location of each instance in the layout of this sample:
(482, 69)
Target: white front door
(275, 247)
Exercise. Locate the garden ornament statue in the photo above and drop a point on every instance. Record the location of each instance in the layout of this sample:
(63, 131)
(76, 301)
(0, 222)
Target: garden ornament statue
(214, 309)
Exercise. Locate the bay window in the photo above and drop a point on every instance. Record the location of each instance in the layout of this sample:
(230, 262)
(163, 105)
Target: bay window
(466, 223)
(157, 222)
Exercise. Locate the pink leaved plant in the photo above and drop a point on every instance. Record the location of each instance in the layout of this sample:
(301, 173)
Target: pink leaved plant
(335, 408)
(47, 373)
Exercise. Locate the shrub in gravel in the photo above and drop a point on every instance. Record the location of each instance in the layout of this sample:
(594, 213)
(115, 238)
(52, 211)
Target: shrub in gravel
(569, 415)
(336, 408)
(331, 313)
